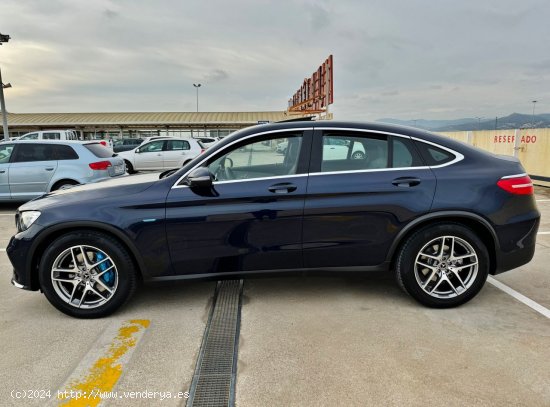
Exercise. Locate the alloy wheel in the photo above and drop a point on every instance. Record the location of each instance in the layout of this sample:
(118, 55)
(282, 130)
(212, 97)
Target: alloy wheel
(446, 267)
(84, 277)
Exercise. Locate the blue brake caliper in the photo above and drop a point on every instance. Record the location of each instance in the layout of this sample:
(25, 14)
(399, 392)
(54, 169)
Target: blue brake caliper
(109, 277)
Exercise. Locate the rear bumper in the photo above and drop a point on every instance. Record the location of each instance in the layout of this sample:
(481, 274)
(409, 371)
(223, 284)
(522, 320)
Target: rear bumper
(517, 244)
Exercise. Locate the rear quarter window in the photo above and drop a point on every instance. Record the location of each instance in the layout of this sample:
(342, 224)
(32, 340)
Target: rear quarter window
(433, 155)
(98, 150)
(62, 152)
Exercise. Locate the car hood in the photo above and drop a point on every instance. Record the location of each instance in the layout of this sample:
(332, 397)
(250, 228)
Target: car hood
(125, 185)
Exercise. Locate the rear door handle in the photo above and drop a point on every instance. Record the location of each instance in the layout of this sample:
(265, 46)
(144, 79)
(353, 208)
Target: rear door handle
(49, 169)
(406, 182)
(282, 188)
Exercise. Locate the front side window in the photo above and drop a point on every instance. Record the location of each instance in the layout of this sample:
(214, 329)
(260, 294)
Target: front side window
(263, 157)
(5, 153)
(34, 152)
(32, 136)
(152, 147)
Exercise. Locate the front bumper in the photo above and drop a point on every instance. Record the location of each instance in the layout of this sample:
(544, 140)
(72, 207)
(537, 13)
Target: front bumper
(19, 253)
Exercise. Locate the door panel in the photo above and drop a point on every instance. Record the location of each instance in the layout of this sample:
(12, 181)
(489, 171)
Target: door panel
(4, 184)
(5, 155)
(176, 153)
(31, 169)
(30, 179)
(150, 157)
(246, 227)
(351, 217)
(252, 217)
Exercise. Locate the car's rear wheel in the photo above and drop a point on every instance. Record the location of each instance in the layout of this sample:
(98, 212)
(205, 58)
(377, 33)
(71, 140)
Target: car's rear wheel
(129, 167)
(358, 155)
(443, 265)
(87, 274)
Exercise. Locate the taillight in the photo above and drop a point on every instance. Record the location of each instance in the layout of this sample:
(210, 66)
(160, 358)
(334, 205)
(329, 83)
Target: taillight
(517, 184)
(202, 150)
(103, 143)
(100, 165)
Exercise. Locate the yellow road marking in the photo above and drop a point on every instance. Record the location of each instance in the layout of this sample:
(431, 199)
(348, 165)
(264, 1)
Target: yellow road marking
(105, 372)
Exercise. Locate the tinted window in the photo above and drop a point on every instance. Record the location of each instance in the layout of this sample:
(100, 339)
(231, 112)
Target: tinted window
(178, 145)
(62, 152)
(51, 136)
(5, 153)
(99, 150)
(433, 155)
(262, 158)
(405, 154)
(352, 151)
(33, 152)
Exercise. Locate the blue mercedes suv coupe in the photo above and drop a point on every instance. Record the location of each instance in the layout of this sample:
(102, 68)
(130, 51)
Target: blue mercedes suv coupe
(286, 197)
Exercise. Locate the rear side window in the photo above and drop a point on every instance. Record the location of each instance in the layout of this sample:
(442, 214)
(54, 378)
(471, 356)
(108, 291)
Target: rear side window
(405, 154)
(99, 150)
(433, 155)
(62, 152)
(33, 152)
(353, 151)
(51, 136)
(178, 145)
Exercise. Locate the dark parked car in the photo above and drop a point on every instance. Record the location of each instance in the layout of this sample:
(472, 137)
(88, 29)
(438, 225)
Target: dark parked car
(440, 214)
(126, 144)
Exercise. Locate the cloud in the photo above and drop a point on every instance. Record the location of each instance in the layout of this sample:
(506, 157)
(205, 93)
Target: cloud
(216, 75)
(405, 62)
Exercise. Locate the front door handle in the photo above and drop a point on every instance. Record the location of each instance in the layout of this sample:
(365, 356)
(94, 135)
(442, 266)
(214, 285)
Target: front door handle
(2, 171)
(49, 168)
(406, 182)
(282, 188)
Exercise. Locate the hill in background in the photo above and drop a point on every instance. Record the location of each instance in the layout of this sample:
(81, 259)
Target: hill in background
(513, 121)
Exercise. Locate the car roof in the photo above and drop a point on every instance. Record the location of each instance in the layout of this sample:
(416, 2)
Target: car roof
(72, 142)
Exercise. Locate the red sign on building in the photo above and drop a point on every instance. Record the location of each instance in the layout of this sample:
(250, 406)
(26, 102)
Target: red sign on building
(316, 92)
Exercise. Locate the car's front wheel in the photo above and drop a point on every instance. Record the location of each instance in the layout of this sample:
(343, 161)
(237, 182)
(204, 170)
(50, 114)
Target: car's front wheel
(87, 274)
(443, 265)
(129, 167)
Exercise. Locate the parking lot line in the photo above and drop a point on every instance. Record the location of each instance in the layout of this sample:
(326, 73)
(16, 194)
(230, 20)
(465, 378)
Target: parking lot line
(520, 297)
(7, 214)
(543, 233)
(99, 371)
(543, 200)
(2, 250)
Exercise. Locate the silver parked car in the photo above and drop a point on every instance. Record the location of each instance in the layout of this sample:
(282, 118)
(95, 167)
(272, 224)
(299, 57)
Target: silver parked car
(32, 168)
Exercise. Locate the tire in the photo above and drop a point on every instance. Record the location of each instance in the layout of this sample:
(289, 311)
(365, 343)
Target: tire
(87, 292)
(441, 280)
(358, 155)
(129, 167)
(66, 183)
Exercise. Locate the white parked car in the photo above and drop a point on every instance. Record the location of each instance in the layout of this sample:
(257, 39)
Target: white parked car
(161, 154)
(51, 135)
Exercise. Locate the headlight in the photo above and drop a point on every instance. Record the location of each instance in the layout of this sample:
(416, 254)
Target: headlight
(27, 218)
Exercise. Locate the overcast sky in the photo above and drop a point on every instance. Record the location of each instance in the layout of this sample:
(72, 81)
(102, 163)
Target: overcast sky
(404, 59)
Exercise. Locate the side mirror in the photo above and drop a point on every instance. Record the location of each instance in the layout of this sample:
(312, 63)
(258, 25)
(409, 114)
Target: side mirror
(200, 178)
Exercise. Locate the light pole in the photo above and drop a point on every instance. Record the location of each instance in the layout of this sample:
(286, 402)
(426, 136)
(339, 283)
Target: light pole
(533, 119)
(479, 122)
(197, 86)
(4, 38)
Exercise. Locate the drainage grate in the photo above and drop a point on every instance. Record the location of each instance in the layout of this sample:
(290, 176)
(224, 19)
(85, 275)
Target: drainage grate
(213, 384)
